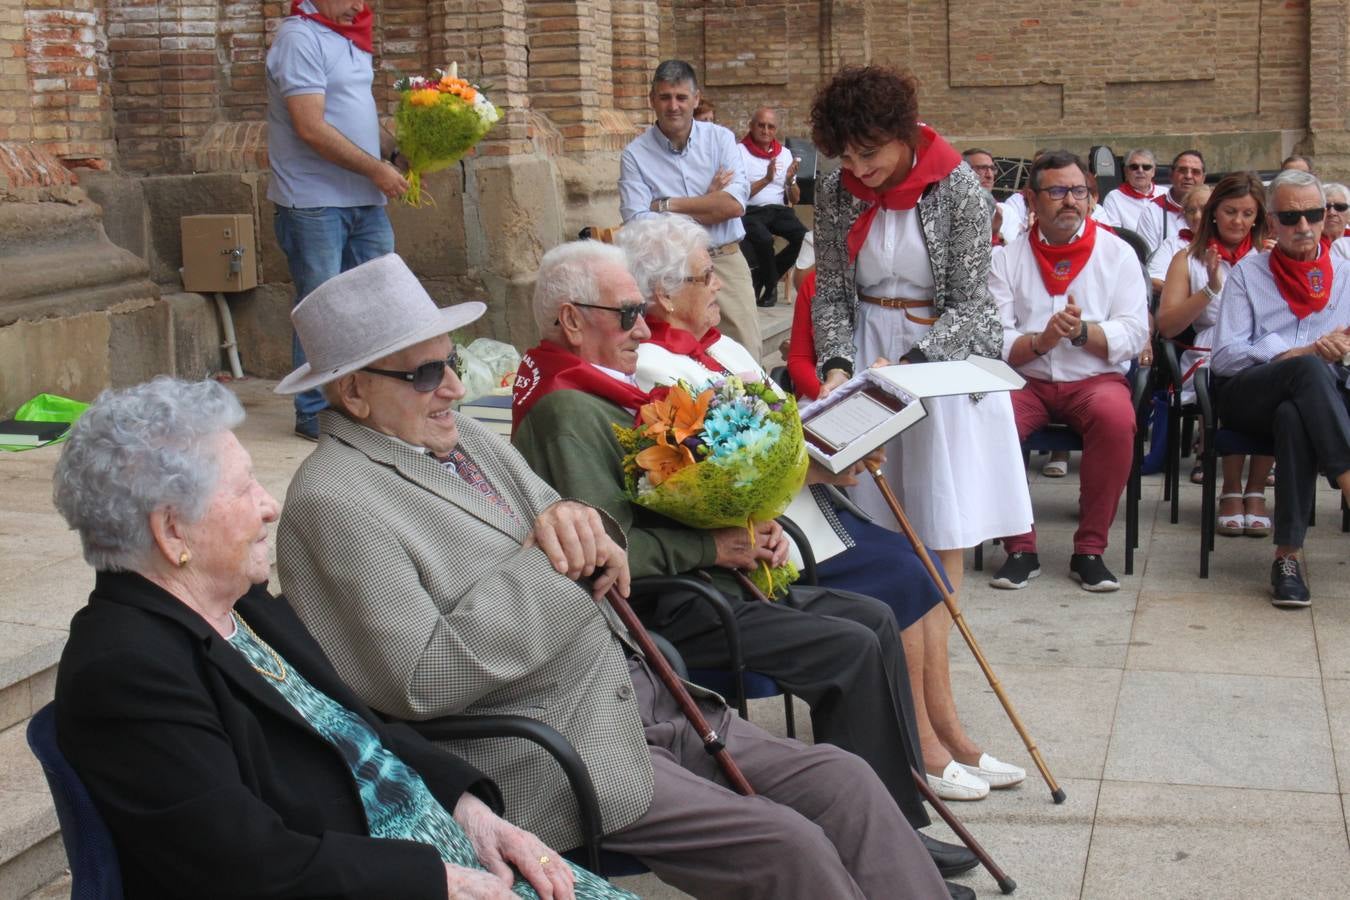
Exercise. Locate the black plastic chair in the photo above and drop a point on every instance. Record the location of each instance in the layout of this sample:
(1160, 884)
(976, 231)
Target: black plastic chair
(736, 682)
(95, 873)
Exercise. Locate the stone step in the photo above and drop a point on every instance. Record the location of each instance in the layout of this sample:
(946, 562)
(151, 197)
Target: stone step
(31, 853)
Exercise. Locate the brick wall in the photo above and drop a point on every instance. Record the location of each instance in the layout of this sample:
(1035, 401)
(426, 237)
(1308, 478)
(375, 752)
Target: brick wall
(1024, 69)
(16, 117)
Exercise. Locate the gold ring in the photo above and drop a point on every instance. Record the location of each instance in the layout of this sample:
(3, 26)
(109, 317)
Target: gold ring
(543, 860)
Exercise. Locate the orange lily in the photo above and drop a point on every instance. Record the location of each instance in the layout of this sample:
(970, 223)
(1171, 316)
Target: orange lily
(661, 460)
(678, 412)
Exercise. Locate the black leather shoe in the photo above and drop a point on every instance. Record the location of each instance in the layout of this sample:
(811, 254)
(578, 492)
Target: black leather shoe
(1287, 588)
(959, 891)
(768, 298)
(951, 859)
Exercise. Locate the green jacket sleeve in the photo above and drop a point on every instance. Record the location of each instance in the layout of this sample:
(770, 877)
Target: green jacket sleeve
(568, 439)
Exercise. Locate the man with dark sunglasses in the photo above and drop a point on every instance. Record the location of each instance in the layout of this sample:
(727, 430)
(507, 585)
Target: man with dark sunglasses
(1166, 213)
(1123, 206)
(1280, 353)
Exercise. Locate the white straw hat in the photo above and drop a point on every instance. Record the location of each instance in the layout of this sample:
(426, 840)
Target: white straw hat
(365, 314)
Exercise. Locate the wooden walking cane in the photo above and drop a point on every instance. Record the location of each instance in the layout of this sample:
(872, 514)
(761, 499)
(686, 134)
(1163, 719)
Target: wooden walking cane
(1005, 884)
(711, 742)
(1056, 792)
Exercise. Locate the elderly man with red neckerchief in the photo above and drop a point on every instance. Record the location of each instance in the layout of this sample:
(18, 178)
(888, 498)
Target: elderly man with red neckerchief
(1279, 356)
(1073, 304)
(1122, 207)
(772, 173)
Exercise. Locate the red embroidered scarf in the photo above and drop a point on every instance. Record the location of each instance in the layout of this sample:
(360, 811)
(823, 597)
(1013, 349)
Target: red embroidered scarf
(1168, 204)
(548, 368)
(1128, 190)
(1187, 235)
(1305, 286)
(360, 32)
(936, 160)
(1061, 263)
(1232, 256)
(771, 153)
(683, 343)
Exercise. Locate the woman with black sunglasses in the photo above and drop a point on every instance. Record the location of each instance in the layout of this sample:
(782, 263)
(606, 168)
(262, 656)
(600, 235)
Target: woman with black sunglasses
(1338, 205)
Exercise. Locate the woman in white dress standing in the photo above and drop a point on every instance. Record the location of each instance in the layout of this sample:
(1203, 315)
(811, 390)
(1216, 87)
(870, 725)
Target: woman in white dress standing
(902, 237)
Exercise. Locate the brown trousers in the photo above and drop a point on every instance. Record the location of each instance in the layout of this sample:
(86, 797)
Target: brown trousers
(740, 316)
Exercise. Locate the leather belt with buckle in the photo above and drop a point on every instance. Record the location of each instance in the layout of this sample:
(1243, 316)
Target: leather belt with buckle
(903, 304)
(725, 249)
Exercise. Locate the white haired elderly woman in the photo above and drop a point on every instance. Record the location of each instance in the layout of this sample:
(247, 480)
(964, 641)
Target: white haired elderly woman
(220, 746)
(1338, 216)
(668, 256)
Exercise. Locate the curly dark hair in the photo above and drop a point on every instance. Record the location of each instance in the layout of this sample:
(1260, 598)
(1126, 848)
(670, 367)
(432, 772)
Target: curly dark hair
(1233, 186)
(865, 105)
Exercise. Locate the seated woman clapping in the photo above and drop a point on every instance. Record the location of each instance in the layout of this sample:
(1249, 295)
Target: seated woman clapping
(1231, 225)
(222, 749)
(668, 256)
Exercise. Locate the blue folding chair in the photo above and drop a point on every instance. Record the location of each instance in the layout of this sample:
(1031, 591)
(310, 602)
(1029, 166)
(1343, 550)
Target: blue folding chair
(94, 870)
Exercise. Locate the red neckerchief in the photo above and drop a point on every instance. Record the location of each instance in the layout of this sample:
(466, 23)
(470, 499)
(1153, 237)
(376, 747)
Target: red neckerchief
(1232, 256)
(548, 368)
(1061, 263)
(1104, 227)
(1128, 190)
(1305, 286)
(771, 153)
(1165, 201)
(935, 161)
(360, 32)
(683, 343)
(1187, 235)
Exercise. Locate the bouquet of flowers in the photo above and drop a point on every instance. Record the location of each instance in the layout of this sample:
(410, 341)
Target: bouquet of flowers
(727, 456)
(439, 119)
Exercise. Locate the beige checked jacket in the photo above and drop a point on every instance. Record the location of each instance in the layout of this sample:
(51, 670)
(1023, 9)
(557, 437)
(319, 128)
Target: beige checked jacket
(420, 592)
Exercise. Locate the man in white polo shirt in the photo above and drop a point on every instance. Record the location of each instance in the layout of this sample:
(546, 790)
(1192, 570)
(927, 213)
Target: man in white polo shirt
(1073, 303)
(330, 176)
(1166, 214)
(1123, 206)
(772, 173)
(682, 166)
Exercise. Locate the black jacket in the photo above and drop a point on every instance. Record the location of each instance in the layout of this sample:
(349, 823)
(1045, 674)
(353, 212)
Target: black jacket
(211, 783)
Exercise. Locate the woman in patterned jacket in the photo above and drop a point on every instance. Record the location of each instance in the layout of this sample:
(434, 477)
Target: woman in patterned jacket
(902, 251)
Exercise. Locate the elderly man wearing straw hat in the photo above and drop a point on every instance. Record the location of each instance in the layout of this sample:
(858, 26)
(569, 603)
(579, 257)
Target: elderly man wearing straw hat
(441, 576)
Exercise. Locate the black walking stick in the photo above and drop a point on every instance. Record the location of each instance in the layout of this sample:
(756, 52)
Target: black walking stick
(1056, 792)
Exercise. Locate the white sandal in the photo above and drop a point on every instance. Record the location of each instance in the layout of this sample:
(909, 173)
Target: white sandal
(1253, 525)
(1234, 525)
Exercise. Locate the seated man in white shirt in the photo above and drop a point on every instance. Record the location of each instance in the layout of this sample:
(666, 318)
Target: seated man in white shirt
(1007, 225)
(772, 173)
(1122, 207)
(1074, 307)
(1165, 215)
(1279, 363)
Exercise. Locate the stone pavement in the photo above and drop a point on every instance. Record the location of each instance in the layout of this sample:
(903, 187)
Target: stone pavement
(1202, 736)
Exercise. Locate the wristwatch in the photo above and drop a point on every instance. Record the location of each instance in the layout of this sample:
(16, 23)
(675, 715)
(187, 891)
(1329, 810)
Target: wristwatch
(1082, 337)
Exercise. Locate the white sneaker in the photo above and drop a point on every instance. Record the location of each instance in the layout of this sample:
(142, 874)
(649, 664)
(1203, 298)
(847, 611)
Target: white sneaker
(958, 783)
(995, 773)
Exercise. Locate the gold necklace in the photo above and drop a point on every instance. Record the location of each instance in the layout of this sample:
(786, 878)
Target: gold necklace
(280, 674)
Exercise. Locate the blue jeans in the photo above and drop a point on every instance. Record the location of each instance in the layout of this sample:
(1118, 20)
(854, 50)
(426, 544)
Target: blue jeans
(320, 242)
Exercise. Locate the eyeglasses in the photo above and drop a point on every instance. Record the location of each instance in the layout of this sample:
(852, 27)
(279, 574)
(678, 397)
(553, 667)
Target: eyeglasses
(705, 279)
(1339, 207)
(1140, 167)
(988, 168)
(1187, 170)
(1291, 216)
(426, 377)
(1059, 191)
(628, 312)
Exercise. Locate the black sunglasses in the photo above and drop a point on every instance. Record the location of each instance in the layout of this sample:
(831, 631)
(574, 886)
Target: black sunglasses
(628, 312)
(426, 377)
(1140, 167)
(1339, 207)
(1291, 216)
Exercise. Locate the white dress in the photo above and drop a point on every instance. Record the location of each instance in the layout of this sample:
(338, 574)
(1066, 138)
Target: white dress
(1206, 324)
(958, 472)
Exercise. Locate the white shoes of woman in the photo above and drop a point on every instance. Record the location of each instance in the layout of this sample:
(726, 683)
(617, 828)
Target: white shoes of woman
(994, 773)
(957, 782)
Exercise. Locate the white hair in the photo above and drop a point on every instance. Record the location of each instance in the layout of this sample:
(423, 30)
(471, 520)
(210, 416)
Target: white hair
(658, 249)
(1140, 151)
(136, 450)
(1335, 187)
(1294, 178)
(568, 274)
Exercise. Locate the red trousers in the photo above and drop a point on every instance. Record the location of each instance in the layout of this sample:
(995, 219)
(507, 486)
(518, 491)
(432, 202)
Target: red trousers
(1098, 409)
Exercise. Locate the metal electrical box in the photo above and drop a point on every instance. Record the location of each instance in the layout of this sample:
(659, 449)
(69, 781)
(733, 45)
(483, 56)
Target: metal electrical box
(219, 253)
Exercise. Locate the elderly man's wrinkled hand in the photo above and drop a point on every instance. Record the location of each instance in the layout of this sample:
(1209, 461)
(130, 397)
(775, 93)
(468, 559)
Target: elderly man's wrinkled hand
(499, 845)
(771, 543)
(1332, 347)
(573, 537)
